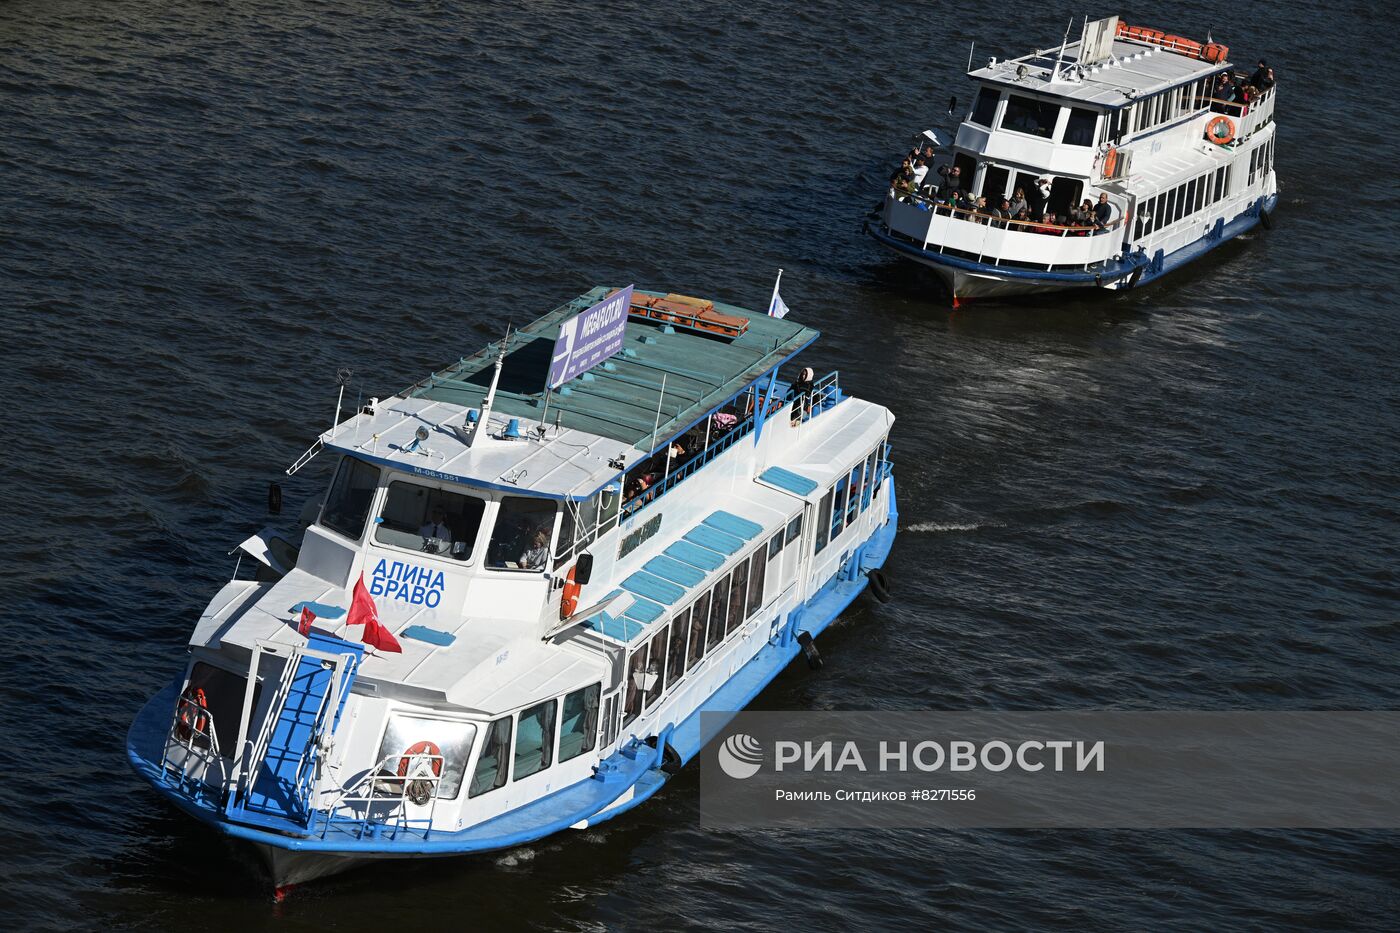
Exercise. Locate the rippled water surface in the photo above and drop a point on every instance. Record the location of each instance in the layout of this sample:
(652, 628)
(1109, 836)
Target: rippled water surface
(1185, 498)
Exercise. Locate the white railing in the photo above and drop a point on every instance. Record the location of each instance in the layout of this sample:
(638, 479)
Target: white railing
(384, 792)
(995, 240)
(192, 732)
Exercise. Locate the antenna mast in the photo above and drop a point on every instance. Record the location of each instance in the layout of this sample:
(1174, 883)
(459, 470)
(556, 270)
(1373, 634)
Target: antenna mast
(490, 393)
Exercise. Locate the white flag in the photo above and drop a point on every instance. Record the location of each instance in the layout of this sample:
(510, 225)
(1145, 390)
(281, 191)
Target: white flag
(776, 307)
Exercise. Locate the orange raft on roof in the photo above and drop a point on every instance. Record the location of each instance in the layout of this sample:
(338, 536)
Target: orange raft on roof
(684, 311)
(1212, 52)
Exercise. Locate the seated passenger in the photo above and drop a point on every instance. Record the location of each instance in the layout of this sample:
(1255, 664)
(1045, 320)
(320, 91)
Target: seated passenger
(1004, 210)
(1024, 216)
(437, 528)
(537, 554)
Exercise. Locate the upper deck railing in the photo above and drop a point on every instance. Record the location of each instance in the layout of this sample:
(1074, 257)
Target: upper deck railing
(1247, 117)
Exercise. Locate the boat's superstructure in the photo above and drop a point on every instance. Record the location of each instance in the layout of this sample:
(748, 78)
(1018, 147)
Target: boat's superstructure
(1128, 116)
(572, 577)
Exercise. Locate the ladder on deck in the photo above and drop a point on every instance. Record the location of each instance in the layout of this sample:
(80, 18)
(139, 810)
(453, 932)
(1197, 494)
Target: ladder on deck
(278, 770)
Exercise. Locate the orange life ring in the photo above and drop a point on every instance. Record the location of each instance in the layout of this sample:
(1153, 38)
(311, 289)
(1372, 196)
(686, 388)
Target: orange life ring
(421, 748)
(1221, 122)
(1110, 162)
(188, 722)
(569, 601)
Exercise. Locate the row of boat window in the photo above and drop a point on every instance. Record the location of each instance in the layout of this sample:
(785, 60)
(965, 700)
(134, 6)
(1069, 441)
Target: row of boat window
(1162, 108)
(1034, 117)
(699, 628)
(1261, 160)
(433, 520)
(1185, 199)
(557, 730)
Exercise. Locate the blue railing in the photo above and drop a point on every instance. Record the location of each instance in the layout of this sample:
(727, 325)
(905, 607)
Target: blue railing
(740, 430)
(824, 394)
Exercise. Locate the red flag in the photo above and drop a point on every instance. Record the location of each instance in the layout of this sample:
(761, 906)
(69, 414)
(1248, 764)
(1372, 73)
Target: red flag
(362, 608)
(304, 624)
(380, 637)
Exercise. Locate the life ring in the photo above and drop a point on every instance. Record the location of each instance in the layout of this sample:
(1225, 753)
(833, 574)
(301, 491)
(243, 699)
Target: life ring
(1221, 122)
(187, 720)
(569, 601)
(1110, 162)
(420, 748)
(419, 789)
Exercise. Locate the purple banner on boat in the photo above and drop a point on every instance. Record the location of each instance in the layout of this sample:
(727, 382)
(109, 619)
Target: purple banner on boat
(586, 339)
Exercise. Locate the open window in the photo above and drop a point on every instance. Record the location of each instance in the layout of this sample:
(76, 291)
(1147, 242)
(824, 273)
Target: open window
(521, 535)
(428, 519)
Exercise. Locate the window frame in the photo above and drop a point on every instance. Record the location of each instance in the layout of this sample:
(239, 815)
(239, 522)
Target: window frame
(549, 739)
(590, 733)
(440, 487)
(1038, 108)
(369, 509)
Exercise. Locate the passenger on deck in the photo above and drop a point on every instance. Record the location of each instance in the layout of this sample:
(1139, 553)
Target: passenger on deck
(1103, 211)
(1018, 202)
(980, 206)
(1225, 88)
(1043, 184)
(1083, 215)
(801, 391)
(920, 171)
(1263, 77)
(952, 179)
(1024, 216)
(437, 528)
(1004, 210)
(537, 553)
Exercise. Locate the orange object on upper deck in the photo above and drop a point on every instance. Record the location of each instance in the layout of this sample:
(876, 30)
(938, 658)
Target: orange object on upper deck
(1212, 52)
(685, 311)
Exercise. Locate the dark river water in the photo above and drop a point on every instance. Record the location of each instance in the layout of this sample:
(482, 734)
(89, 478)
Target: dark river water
(1184, 498)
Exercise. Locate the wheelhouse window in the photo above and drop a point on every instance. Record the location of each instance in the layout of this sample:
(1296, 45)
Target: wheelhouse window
(578, 724)
(582, 522)
(534, 740)
(1030, 116)
(1079, 130)
(521, 535)
(424, 518)
(407, 735)
(984, 109)
(352, 493)
(493, 764)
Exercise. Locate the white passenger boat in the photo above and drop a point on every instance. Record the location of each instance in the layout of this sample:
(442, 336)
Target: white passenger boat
(1128, 112)
(574, 554)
